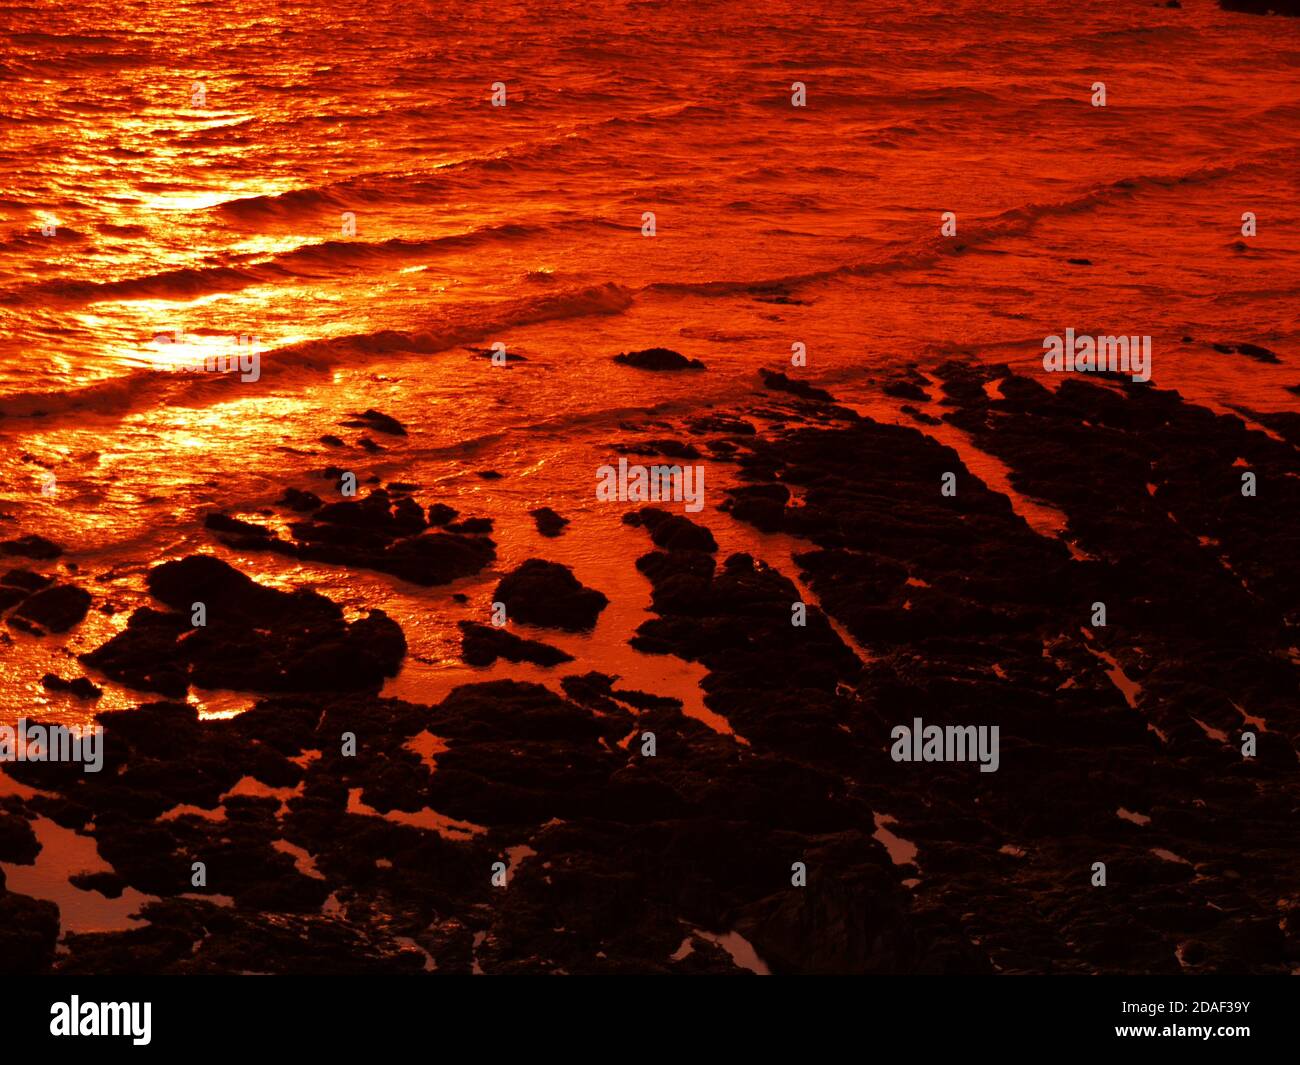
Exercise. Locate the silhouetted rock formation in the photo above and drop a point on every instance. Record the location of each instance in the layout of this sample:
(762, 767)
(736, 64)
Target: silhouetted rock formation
(660, 359)
(481, 645)
(548, 594)
(254, 638)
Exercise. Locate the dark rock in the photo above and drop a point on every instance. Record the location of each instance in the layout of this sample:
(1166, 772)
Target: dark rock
(300, 501)
(779, 382)
(110, 885)
(1253, 351)
(384, 534)
(36, 547)
(905, 390)
(144, 656)
(381, 423)
(549, 523)
(850, 924)
(434, 558)
(29, 930)
(81, 687)
(256, 638)
(672, 532)
(26, 579)
(57, 609)
(481, 645)
(441, 514)
(224, 523)
(720, 423)
(762, 505)
(597, 691)
(920, 416)
(670, 448)
(659, 359)
(377, 513)
(227, 593)
(18, 843)
(547, 594)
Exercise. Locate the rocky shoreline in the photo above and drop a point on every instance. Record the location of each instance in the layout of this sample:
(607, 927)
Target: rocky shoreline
(1121, 744)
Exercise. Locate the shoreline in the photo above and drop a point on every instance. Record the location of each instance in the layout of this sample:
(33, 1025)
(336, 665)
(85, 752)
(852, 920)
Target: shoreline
(617, 860)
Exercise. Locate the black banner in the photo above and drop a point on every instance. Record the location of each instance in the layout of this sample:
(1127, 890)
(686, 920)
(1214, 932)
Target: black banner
(1221, 1016)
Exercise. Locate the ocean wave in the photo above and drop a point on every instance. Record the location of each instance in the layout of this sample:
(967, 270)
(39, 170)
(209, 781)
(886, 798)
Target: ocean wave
(102, 61)
(304, 260)
(889, 100)
(38, 37)
(475, 323)
(184, 283)
(112, 229)
(284, 204)
(350, 252)
(116, 395)
(908, 255)
(190, 282)
(34, 239)
(415, 186)
(142, 388)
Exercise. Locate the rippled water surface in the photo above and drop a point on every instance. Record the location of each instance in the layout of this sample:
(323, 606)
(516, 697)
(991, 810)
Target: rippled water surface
(198, 169)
